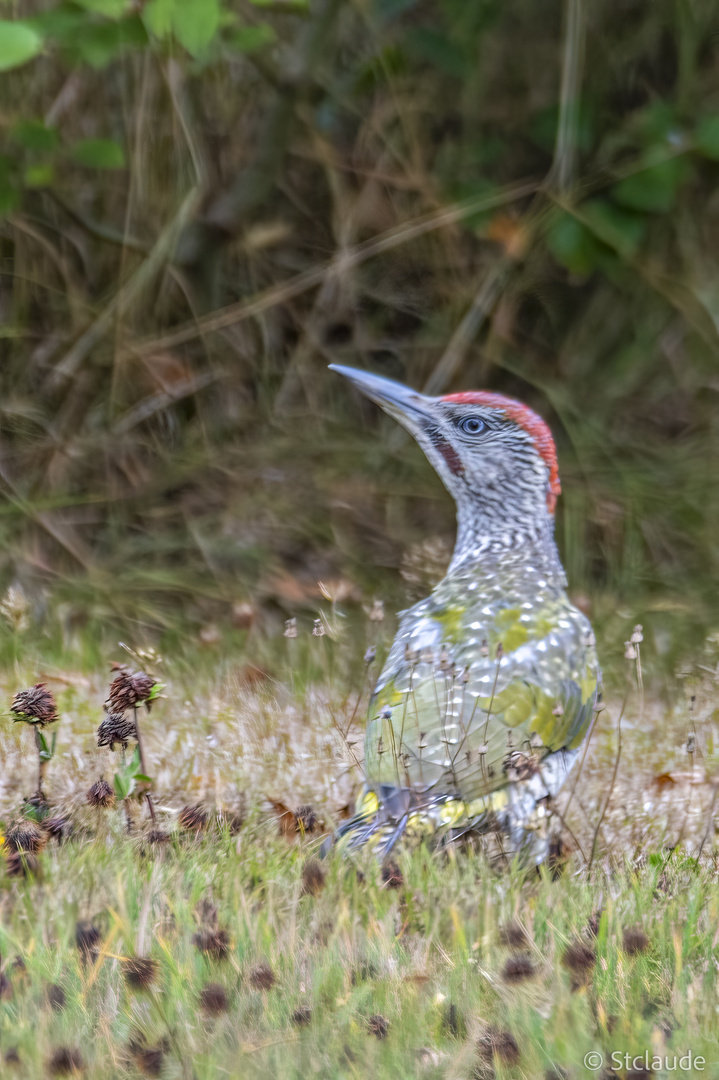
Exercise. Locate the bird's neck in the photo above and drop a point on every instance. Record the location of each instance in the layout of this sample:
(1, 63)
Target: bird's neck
(484, 535)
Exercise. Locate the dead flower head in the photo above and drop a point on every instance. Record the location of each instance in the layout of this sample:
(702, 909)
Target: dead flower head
(378, 1026)
(87, 939)
(140, 972)
(499, 1044)
(213, 943)
(65, 1061)
(116, 729)
(262, 977)
(25, 835)
(129, 689)
(313, 878)
(518, 968)
(213, 999)
(513, 935)
(55, 997)
(193, 818)
(579, 959)
(22, 864)
(35, 706)
(101, 794)
(634, 941)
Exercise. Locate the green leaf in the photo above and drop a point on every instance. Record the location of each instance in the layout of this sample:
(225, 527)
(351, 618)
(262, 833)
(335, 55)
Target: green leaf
(111, 9)
(155, 692)
(33, 135)
(18, 44)
(195, 23)
(142, 779)
(39, 176)
(573, 245)
(157, 17)
(99, 154)
(620, 229)
(654, 189)
(706, 137)
(249, 39)
(123, 786)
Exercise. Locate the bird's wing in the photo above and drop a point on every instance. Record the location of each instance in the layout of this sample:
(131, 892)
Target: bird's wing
(458, 716)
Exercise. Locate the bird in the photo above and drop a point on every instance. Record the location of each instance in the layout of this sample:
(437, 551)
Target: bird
(490, 686)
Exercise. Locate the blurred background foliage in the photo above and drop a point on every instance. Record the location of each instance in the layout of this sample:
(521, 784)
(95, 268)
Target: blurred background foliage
(204, 202)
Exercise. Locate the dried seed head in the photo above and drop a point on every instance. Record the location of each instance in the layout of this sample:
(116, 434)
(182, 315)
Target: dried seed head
(630, 651)
(484, 648)
(318, 629)
(148, 1059)
(15, 609)
(20, 864)
(313, 878)
(25, 835)
(87, 940)
(262, 977)
(500, 651)
(392, 875)
(306, 819)
(291, 628)
(55, 996)
(214, 943)
(116, 729)
(158, 836)
(500, 1044)
(193, 818)
(371, 655)
(378, 1026)
(57, 826)
(518, 968)
(593, 922)
(101, 794)
(5, 987)
(129, 689)
(302, 1016)
(637, 636)
(12, 1056)
(140, 972)
(35, 706)
(634, 941)
(213, 999)
(513, 935)
(65, 1061)
(579, 959)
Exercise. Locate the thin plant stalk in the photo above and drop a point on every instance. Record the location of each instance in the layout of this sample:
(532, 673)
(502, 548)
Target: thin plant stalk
(141, 750)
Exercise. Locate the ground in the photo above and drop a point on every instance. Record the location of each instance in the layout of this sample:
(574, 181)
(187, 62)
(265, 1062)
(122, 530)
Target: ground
(269, 961)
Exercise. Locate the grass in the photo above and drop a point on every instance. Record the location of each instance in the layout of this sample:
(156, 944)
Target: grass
(269, 962)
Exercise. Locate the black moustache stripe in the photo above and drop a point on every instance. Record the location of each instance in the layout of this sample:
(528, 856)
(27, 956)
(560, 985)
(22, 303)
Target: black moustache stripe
(448, 452)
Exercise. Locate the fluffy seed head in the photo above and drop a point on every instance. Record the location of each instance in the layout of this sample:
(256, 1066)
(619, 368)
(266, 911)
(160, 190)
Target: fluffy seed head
(392, 875)
(513, 935)
(22, 864)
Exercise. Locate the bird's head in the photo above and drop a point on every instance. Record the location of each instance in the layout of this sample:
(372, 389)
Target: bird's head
(494, 454)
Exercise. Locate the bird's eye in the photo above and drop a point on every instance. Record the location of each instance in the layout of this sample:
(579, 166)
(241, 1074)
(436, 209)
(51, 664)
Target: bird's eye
(472, 425)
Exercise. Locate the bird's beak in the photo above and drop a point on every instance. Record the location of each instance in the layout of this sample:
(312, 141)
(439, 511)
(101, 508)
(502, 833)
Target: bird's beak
(410, 408)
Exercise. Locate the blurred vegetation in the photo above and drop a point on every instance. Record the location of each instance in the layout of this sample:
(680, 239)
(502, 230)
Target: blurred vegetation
(203, 202)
